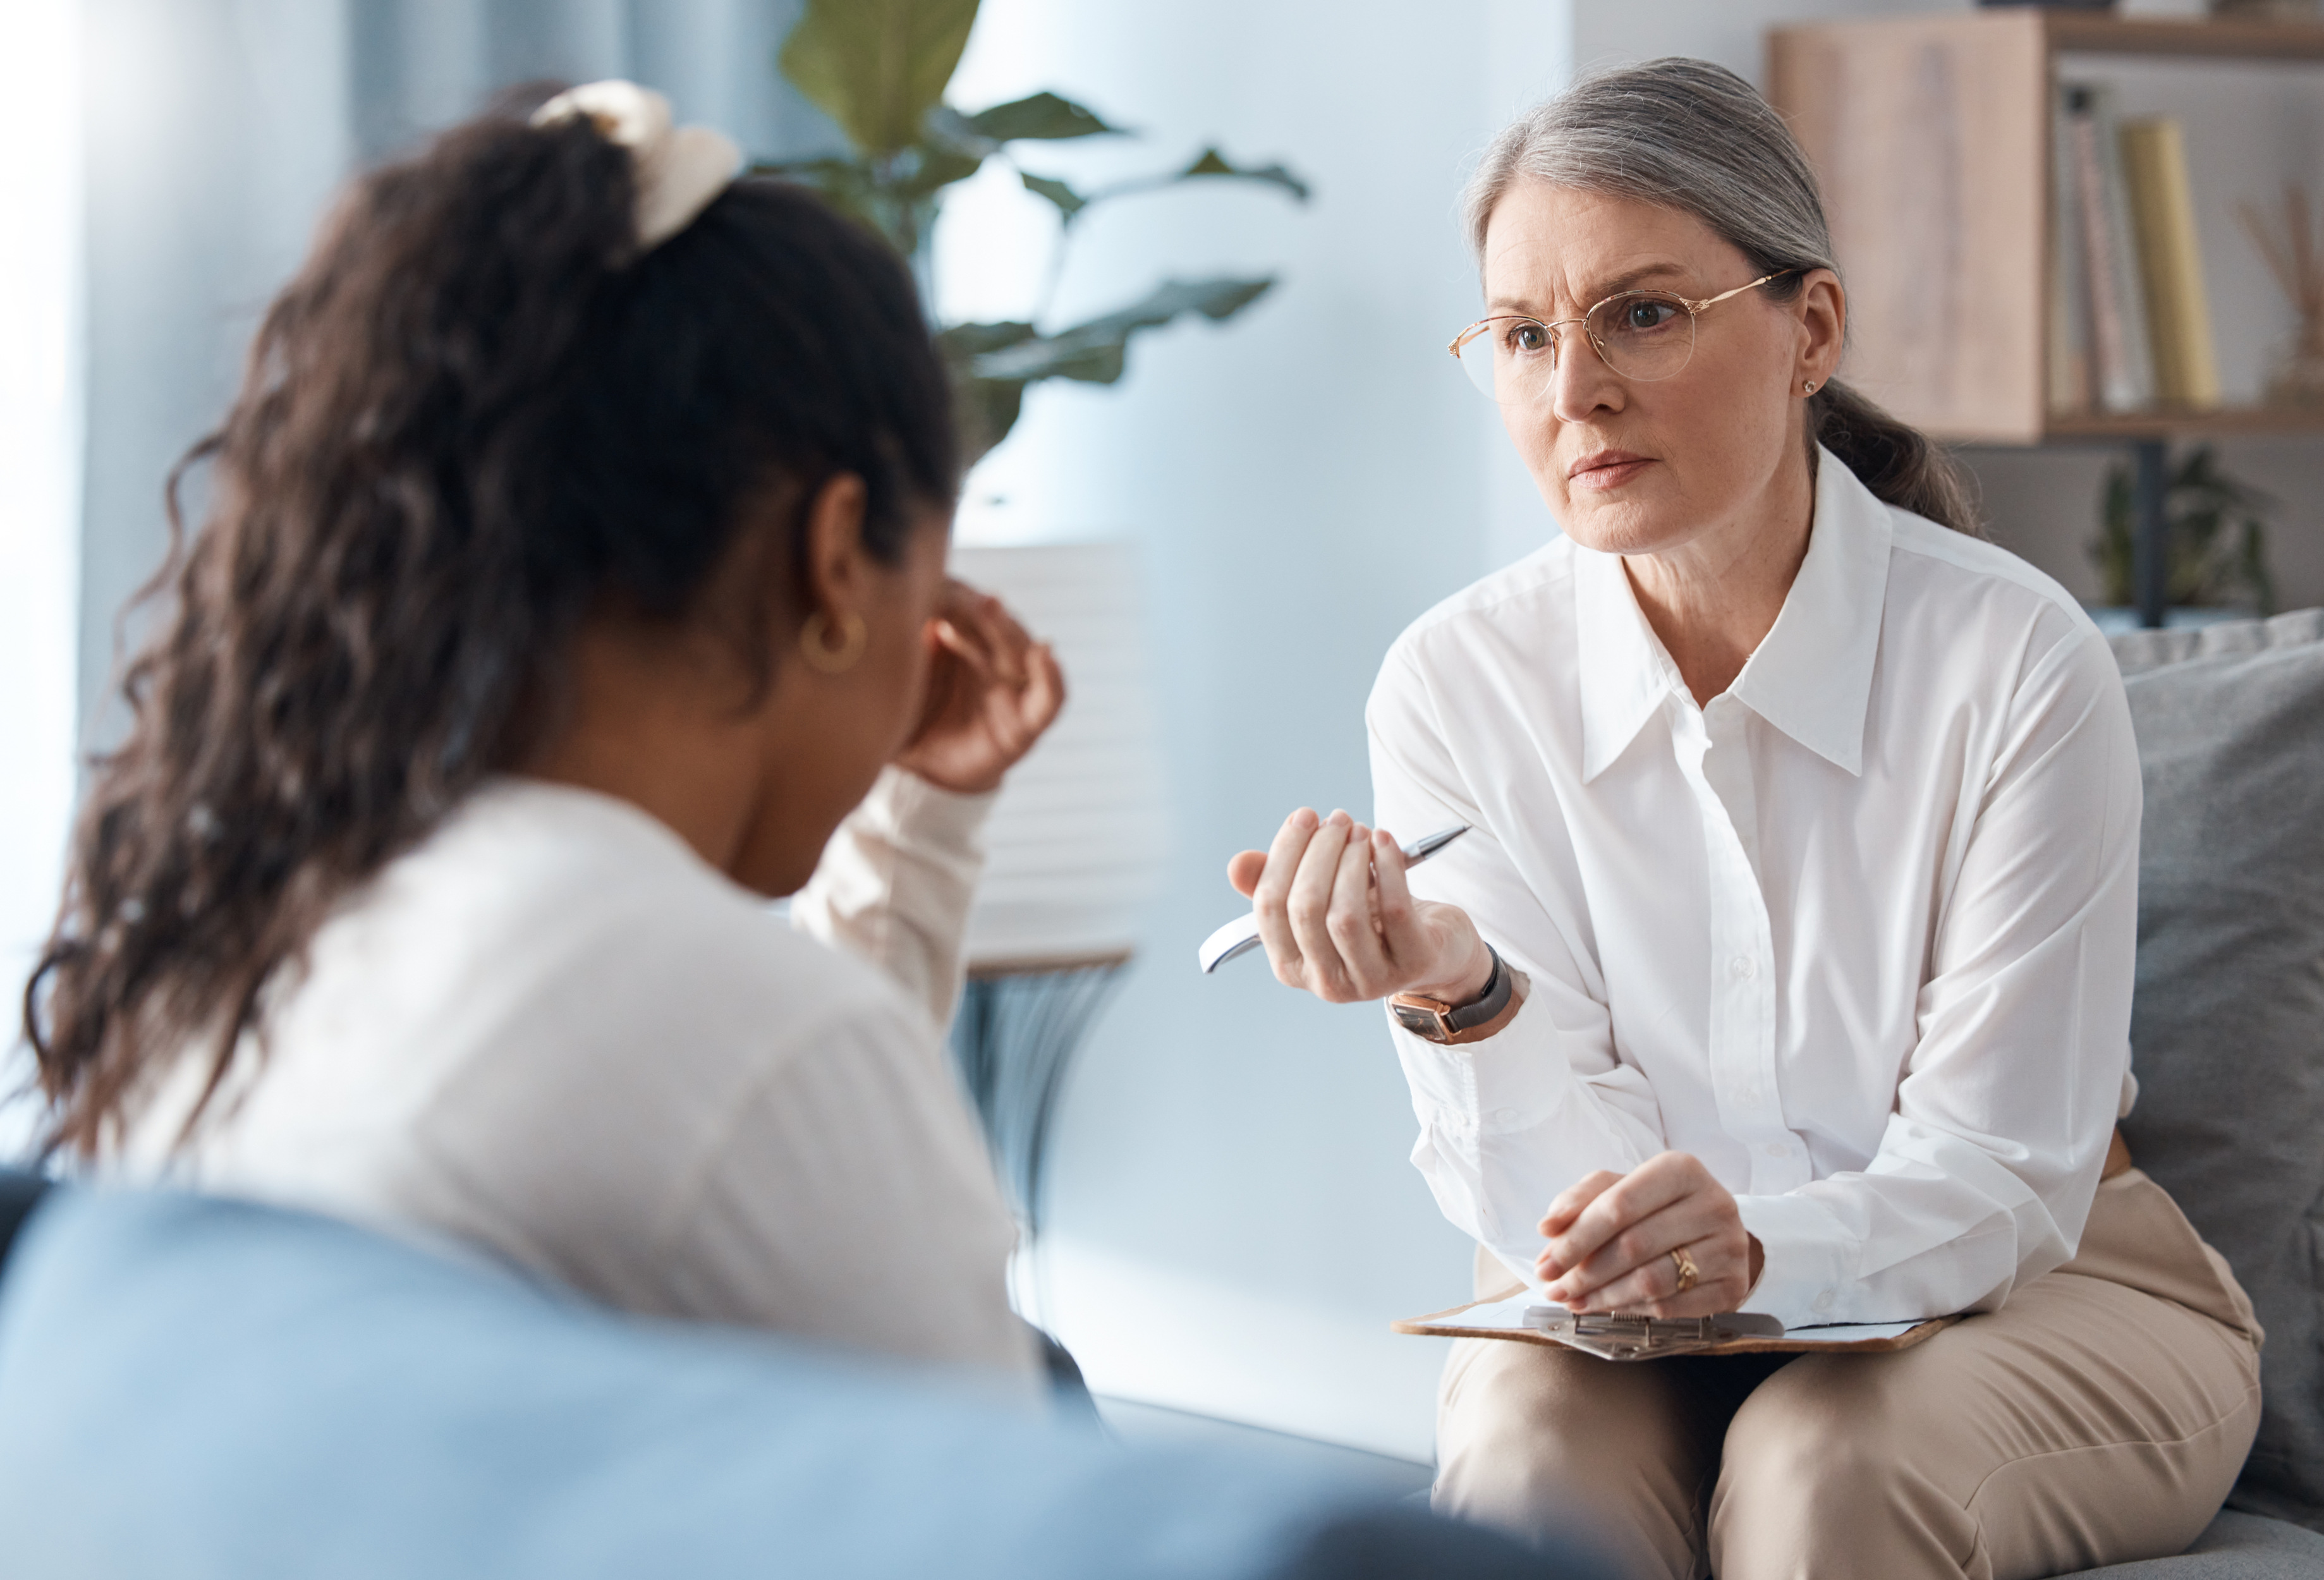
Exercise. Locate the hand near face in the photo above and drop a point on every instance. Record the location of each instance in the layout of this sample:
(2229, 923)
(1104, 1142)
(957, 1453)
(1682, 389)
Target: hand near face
(991, 692)
(1611, 1235)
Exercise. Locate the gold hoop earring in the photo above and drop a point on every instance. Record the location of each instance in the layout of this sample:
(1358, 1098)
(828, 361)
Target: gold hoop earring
(825, 659)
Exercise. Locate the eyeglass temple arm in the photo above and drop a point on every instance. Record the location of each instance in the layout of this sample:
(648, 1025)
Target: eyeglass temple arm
(1696, 306)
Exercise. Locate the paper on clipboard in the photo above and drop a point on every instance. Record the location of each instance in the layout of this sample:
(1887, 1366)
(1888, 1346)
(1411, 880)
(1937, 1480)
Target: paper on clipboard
(1525, 1317)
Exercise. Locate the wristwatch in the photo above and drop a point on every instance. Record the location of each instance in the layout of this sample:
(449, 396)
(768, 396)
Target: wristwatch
(1441, 1022)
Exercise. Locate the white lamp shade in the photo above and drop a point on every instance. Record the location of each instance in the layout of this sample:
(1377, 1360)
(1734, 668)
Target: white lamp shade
(1074, 848)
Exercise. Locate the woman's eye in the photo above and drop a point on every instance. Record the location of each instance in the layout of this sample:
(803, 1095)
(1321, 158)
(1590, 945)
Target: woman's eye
(1528, 336)
(1648, 315)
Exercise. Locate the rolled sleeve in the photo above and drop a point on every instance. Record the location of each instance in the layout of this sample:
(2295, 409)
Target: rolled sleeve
(895, 883)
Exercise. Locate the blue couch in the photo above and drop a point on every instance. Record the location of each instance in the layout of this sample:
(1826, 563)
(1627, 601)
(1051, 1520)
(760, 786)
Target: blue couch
(212, 1390)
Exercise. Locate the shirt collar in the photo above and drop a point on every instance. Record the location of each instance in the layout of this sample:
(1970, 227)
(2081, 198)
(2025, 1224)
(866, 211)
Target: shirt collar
(1811, 674)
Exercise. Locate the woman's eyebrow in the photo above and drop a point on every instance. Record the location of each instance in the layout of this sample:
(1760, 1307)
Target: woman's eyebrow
(1627, 280)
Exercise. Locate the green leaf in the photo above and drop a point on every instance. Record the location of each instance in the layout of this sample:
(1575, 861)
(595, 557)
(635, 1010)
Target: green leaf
(1068, 202)
(1214, 163)
(945, 127)
(1043, 115)
(985, 409)
(1096, 352)
(877, 67)
(923, 170)
(963, 341)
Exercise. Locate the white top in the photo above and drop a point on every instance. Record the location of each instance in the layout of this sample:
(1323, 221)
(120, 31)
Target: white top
(1857, 935)
(552, 1030)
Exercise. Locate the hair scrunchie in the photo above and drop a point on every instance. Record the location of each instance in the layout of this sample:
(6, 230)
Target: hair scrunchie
(680, 169)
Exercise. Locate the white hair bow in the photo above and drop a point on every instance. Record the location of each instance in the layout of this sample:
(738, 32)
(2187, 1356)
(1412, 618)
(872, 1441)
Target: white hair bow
(680, 169)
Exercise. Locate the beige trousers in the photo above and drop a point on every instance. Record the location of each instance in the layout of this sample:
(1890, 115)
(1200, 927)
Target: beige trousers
(2100, 1416)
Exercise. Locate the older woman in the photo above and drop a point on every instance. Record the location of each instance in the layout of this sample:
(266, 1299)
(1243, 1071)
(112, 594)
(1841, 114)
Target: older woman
(572, 582)
(1788, 968)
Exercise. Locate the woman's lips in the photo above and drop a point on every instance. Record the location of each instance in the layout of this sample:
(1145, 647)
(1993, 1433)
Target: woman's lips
(1607, 469)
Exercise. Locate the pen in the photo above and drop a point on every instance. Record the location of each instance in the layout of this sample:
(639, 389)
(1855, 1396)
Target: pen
(1240, 936)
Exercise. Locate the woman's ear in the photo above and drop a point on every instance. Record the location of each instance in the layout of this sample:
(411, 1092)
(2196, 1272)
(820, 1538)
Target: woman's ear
(1822, 310)
(837, 567)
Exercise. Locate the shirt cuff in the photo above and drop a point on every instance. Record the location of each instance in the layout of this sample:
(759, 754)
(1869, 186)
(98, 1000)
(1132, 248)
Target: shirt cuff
(1510, 1081)
(1808, 1259)
(916, 813)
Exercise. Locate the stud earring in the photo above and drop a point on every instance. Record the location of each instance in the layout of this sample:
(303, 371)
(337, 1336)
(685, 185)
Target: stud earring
(1808, 388)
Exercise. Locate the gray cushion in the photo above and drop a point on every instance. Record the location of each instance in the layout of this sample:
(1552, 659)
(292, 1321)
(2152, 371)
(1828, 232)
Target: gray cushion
(2237, 1546)
(2228, 1032)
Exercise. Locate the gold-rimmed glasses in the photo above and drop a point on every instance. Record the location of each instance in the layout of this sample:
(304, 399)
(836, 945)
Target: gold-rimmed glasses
(1642, 335)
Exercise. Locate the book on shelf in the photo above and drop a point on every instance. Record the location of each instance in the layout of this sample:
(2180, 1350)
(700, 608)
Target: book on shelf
(2171, 263)
(2121, 361)
(2071, 391)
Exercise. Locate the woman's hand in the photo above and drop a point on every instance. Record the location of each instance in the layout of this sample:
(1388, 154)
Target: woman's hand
(1611, 1235)
(1338, 920)
(993, 689)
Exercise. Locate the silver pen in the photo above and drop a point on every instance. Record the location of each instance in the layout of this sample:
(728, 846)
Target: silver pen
(1240, 936)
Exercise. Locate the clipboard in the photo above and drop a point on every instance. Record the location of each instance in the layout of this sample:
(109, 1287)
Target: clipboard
(1523, 1318)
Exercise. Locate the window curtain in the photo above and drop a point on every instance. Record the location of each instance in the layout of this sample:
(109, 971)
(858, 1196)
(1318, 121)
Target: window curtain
(216, 131)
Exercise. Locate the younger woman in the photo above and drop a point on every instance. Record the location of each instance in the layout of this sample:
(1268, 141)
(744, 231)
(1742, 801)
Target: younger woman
(573, 570)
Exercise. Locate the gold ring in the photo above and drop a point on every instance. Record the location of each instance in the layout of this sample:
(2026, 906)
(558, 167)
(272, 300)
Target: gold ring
(1687, 1271)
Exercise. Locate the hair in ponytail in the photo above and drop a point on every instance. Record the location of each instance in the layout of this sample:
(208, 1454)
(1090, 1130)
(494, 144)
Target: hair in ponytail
(477, 413)
(1690, 136)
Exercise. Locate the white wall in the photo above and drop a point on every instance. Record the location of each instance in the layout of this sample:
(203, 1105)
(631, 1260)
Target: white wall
(1236, 1222)
(40, 485)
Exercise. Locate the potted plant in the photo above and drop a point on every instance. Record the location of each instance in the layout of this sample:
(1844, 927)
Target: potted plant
(879, 69)
(2217, 535)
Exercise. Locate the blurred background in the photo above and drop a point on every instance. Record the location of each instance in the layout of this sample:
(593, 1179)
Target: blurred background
(1230, 1220)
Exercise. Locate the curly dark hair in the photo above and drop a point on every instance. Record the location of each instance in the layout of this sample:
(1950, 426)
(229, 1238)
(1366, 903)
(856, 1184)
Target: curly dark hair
(477, 414)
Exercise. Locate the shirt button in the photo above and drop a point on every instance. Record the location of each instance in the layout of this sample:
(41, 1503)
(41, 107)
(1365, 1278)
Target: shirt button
(1742, 967)
(1778, 1150)
(1505, 1115)
(1823, 1300)
(1751, 1098)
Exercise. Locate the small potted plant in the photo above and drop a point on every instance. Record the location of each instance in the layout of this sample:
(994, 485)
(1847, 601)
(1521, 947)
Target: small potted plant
(2218, 533)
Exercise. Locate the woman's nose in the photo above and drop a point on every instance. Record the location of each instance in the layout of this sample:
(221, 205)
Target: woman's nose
(1580, 383)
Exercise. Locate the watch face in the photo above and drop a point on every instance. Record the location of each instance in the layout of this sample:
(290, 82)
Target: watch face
(1420, 1023)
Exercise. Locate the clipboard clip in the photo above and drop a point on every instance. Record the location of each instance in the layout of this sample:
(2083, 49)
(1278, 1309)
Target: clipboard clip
(1619, 1337)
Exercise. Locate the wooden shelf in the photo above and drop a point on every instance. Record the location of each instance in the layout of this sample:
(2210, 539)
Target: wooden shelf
(1931, 136)
(2216, 39)
(2228, 422)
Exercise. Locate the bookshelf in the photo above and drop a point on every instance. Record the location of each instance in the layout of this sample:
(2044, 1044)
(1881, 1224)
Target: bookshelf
(1932, 135)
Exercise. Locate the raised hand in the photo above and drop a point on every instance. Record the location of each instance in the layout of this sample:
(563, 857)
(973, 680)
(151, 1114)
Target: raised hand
(1337, 919)
(992, 690)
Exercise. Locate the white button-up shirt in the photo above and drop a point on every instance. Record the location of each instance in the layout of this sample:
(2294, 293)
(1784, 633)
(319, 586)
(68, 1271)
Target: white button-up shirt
(1857, 935)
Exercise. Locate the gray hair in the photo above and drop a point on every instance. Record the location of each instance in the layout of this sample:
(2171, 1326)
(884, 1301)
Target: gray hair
(1690, 136)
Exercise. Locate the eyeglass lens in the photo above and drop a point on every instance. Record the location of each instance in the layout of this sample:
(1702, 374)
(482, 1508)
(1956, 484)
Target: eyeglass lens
(1643, 335)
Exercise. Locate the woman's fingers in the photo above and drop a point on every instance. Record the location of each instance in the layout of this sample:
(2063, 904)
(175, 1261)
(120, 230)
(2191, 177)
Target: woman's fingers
(1270, 896)
(1034, 707)
(1308, 906)
(1563, 1209)
(1649, 1187)
(1352, 920)
(1243, 870)
(1643, 1243)
(1723, 1281)
(1401, 935)
(1612, 1252)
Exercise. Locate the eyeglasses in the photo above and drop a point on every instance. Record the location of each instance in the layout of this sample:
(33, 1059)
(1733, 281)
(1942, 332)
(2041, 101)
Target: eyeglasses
(1642, 335)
